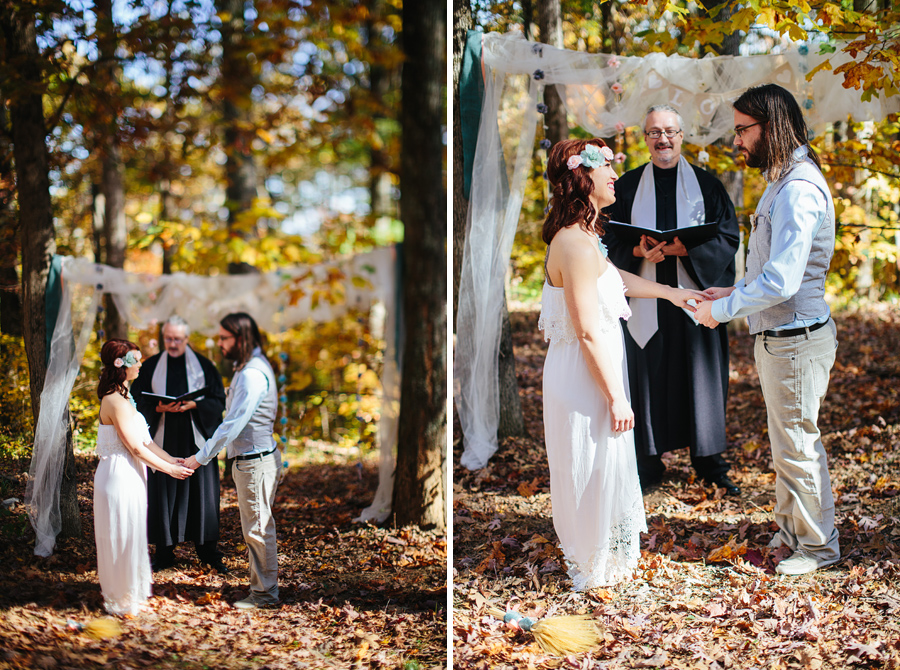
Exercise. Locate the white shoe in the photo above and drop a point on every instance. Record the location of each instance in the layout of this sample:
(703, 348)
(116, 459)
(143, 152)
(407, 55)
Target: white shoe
(800, 563)
(254, 601)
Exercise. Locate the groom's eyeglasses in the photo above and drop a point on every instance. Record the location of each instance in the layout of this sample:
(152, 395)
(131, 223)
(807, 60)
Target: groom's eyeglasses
(739, 130)
(656, 134)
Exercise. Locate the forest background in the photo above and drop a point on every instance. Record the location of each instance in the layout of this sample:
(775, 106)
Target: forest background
(232, 136)
(704, 595)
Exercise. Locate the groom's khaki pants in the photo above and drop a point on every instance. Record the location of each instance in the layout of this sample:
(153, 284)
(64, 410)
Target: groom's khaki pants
(794, 373)
(255, 482)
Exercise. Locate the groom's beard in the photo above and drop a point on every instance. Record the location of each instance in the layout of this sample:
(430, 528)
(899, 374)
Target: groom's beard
(758, 155)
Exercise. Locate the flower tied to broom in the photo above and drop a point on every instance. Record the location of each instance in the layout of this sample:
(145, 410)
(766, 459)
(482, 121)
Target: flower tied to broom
(557, 635)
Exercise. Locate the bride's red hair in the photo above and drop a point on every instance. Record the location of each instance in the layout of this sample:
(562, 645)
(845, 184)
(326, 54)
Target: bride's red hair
(112, 379)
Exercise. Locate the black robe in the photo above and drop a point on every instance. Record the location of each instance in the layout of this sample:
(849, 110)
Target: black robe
(679, 380)
(180, 510)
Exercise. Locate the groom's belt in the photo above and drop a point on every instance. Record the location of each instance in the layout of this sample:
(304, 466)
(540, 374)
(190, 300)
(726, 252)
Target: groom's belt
(253, 457)
(791, 332)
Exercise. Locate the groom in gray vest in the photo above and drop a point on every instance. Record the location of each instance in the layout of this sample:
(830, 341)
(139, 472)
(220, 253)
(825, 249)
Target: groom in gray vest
(783, 298)
(247, 435)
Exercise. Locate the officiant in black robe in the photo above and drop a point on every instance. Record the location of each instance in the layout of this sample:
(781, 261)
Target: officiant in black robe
(182, 510)
(679, 376)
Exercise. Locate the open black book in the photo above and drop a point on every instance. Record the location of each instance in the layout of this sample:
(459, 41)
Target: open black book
(166, 399)
(631, 234)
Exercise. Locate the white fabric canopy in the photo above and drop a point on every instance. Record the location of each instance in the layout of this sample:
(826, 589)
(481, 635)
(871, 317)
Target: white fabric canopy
(368, 282)
(604, 94)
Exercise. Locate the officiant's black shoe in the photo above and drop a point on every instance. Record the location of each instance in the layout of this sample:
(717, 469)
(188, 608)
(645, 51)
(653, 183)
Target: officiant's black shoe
(218, 565)
(723, 482)
(161, 564)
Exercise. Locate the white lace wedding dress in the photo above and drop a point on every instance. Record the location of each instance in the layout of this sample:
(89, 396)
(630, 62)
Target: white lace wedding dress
(598, 511)
(120, 523)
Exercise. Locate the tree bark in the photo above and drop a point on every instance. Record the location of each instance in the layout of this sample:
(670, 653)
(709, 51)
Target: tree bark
(550, 26)
(35, 223)
(512, 422)
(237, 80)
(112, 185)
(10, 299)
(419, 485)
(462, 23)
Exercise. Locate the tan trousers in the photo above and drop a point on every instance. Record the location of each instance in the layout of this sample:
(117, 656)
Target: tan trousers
(794, 373)
(255, 482)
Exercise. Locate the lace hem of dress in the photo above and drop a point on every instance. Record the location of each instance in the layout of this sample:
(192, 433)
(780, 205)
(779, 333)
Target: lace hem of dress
(615, 562)
(132, 603)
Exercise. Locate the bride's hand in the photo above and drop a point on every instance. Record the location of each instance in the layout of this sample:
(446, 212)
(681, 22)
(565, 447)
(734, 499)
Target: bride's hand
(179, 471)
(682, 297)
(622, 415)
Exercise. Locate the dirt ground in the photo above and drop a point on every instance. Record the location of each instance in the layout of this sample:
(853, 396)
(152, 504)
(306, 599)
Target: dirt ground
(705, 594)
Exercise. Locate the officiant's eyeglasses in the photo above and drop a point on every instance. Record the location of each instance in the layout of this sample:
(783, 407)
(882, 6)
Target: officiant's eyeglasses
(174, 340)
(656, 134)
(739, 130)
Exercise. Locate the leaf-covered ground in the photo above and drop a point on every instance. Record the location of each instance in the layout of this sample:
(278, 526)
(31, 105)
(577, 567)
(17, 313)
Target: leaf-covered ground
(352, 596)
(705, 594)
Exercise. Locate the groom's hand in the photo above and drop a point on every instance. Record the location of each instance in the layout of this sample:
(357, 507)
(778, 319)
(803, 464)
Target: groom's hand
(703, 314)
(191, 462)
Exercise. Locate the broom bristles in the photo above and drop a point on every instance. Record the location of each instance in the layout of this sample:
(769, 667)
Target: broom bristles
(563, 635)
(102, 629)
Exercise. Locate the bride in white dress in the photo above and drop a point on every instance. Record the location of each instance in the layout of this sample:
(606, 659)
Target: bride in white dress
(120, 483)
(598, 511)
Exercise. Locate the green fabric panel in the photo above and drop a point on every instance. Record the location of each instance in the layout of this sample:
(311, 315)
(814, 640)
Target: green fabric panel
(471, 97)
(52, 300)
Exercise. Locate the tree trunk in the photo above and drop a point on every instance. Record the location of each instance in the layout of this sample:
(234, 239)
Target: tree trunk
(512, 423)
(112, 186)
(10, 299)
(550, 25)
(419, 485)
(35, 224)
(462, 23)
(237, 80)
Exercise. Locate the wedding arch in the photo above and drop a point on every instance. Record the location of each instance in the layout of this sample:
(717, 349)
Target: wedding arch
(605, 94)
(369, 284)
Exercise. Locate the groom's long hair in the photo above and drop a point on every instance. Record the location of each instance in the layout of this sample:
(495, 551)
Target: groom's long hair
(784, 128)
(246, 334)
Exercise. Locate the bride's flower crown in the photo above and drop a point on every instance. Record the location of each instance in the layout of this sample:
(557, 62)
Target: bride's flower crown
(131, 358)
(592, 157)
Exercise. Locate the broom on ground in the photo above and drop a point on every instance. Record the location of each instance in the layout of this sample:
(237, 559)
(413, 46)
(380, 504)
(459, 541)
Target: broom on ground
(99, 629)
(557, 635)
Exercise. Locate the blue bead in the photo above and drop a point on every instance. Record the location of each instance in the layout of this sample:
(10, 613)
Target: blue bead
(546, 144)
(284, 441)
(282, 398)
(803, 50)
(282, 379)
(283, 356)
(283, 420)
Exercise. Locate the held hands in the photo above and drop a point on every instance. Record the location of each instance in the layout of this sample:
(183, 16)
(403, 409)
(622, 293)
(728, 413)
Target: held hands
(179, 470)
(703, 313)
(192, 462)
(687, 298)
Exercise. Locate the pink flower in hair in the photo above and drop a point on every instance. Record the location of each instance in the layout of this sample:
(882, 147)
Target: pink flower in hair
(607, 154)
(574, 162)
(118, 362)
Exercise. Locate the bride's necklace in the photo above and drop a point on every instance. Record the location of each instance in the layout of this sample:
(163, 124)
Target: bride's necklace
(603, 249)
